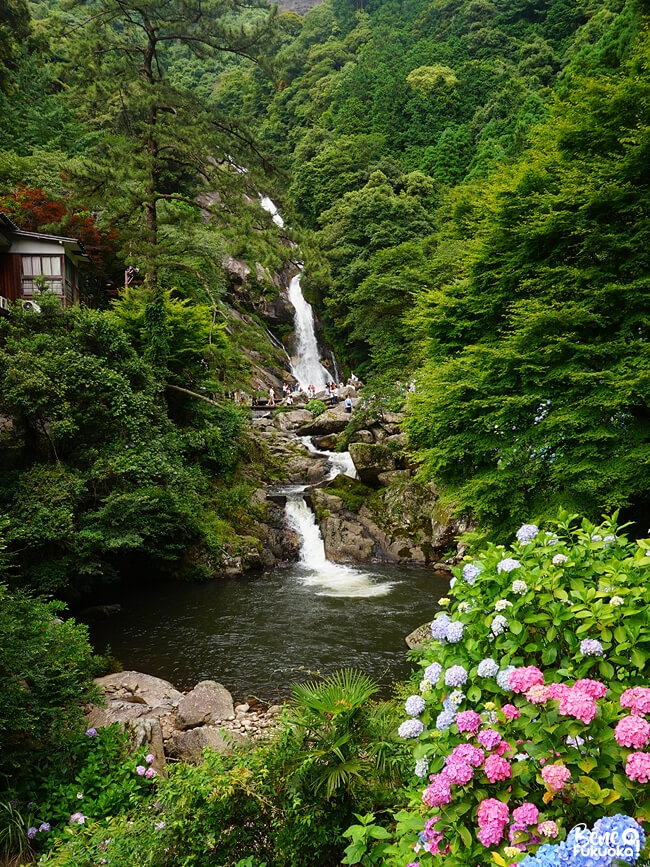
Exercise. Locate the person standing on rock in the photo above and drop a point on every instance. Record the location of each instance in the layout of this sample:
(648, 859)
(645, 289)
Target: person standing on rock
(271, 396)
(348, 404)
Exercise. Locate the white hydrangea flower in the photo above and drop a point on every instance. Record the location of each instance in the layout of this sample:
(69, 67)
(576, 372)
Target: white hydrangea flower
(502, 604)
(615, 601)
(519, 587)
(559, 559)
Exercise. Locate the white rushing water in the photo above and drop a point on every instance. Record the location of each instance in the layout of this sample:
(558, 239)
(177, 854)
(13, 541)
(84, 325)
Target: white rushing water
(306, 364)
(316, 571)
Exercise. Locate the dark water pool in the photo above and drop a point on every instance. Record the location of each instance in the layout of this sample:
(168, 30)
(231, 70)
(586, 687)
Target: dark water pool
(258, 635)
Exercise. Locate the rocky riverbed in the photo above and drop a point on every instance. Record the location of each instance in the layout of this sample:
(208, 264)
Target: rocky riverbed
(176, 725)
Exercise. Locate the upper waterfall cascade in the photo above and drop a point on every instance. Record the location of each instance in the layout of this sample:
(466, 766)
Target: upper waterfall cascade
(305, 364)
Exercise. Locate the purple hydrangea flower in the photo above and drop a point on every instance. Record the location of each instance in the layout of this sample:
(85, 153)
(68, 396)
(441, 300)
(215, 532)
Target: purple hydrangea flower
(470, 572)
(150, 758)
(150, 773)
(439, 626)
(503, 678)
(508, 564)
(414, 705)
(91, 733)
(456, 676)
(432, 673)
(32, 832)
(591, 647)
(487, 667)
(141, 770)
(445, 719)
(527, 533)
(455, 631)
(45, 826)
(77, 819)
(410, 728)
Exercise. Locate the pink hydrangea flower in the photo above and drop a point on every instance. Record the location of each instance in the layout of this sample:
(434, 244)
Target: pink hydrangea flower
(526, 814)
(548, 828)
(503, 748)
(468, 721)
(467, 753)
(492, 818)
(556, 776)
(521, 679)
(489, 738)
(438, 793)
(510, 711)
(578, 704)
(637, 699)
(637, 767)
(594, 688)
(497, 768)
(538, 694)
(459, 773)
(558, 690)
(632, 731)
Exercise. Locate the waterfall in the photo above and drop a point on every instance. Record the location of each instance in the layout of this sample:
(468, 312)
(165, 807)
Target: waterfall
(315, 570)
(305, 365)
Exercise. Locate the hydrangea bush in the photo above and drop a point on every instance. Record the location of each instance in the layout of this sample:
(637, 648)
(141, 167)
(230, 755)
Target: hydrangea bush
(538, 718)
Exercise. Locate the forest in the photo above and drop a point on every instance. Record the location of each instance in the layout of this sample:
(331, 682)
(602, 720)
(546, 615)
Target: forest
(467, 185)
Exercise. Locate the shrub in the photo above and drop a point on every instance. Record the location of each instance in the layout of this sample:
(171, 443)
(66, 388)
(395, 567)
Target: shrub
(316, 407)
(530, 712)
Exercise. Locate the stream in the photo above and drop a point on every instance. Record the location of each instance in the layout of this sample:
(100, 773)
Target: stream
(259, 634)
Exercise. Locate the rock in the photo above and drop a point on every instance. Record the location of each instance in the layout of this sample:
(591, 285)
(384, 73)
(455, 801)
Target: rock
(327, 442)
(288, 421)
(371, 459)
(393, 476)
(362, 436)
(147, 732)
(331, 421)
(208, 703)
(131, 695)
(189, 745)
(419, 636)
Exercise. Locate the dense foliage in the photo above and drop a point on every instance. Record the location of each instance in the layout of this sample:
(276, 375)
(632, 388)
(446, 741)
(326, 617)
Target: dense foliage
(530, 711)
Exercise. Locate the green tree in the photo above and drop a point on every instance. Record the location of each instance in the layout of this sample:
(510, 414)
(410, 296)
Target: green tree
(536, 392)
(15, 26)
(157, 141)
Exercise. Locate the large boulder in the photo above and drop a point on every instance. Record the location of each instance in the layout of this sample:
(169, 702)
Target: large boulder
(207, 704)
(131, 695)
(332, 421)
(371, 460)
(189, 745)
(292, 420)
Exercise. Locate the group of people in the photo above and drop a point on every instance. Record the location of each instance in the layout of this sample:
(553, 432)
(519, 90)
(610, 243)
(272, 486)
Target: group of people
(332, 391)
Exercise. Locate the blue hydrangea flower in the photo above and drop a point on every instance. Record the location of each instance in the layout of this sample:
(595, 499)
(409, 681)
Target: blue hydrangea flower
(455, 631)
(527, 533)
(432, 673)
(503, 678)
(445, 719)
(487, 667)
(470, 573)
(591, 647)
(421, 767)
(499, 624)
(456, 676)
(439, 626)
(609, 541)
(508, 564)
(452, 583)
(411, 728)
(414, 705)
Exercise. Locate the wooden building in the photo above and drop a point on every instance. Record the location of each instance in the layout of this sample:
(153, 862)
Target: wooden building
(32, 259)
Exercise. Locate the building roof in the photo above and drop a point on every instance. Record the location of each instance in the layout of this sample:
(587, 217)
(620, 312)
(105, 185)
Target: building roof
(8, 225)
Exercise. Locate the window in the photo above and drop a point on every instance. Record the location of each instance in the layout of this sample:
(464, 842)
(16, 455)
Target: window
(47, 268)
